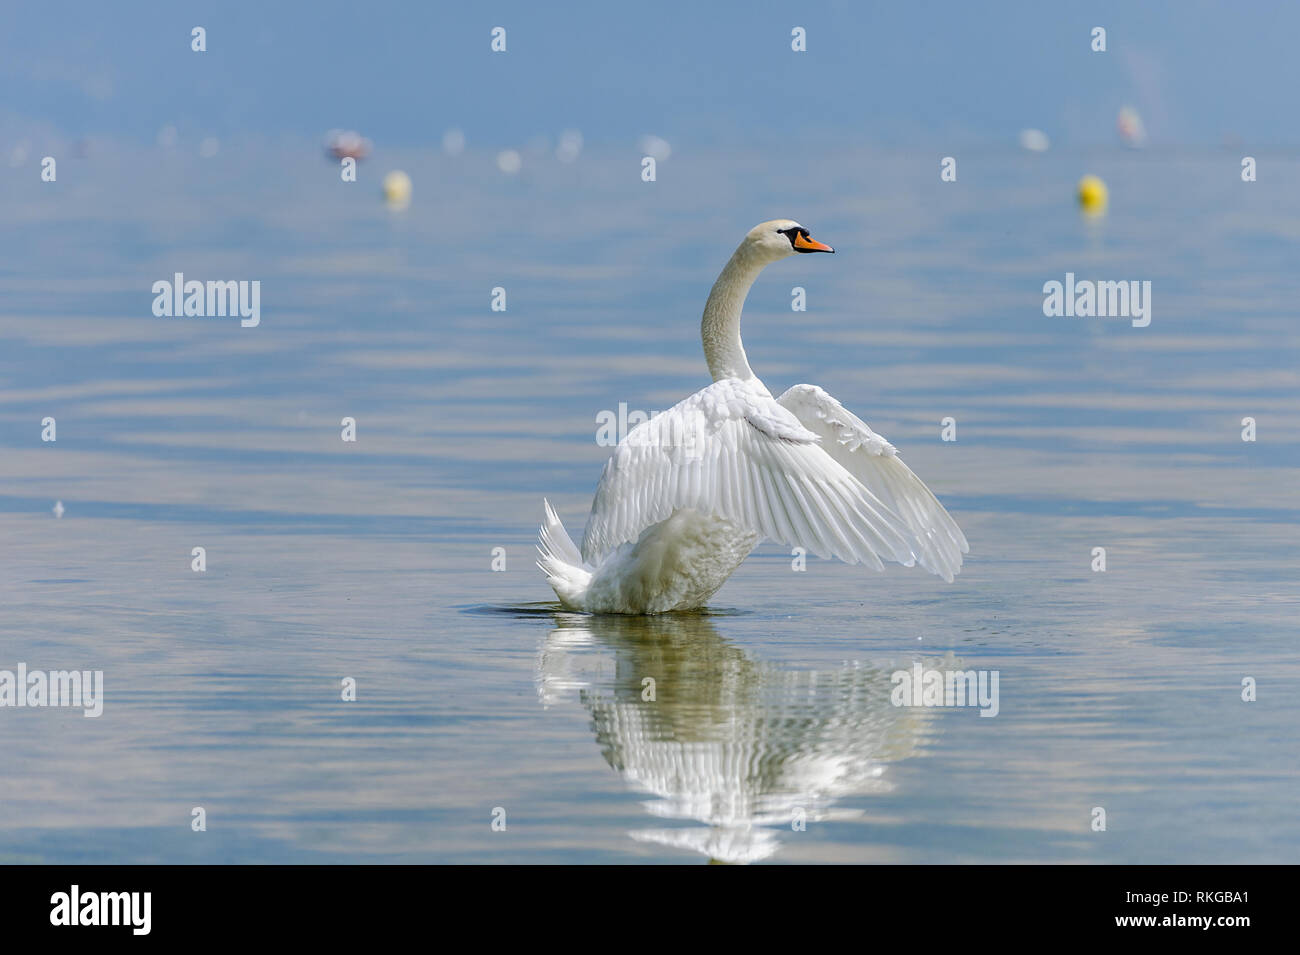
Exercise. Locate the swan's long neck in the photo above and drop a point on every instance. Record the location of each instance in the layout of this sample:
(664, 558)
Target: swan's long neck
(720, 328)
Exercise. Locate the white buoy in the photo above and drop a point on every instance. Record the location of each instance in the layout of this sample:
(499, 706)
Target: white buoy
(397, 189)
(1035, 140)
(509, 161)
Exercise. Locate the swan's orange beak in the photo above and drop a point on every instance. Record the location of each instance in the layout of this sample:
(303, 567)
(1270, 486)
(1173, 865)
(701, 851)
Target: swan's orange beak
(802, 243)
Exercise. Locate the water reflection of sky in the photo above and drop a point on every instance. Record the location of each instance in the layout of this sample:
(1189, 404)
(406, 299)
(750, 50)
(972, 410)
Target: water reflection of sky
(327, 560)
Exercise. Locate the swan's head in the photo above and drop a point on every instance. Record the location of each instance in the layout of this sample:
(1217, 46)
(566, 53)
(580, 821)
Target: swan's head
(781, 237)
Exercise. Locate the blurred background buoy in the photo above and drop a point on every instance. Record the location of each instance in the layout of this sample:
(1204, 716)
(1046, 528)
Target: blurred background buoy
(1093, 195)
(346, 144)
(509, 161)
(1130, 127)
(1034, 140)
(397, 189)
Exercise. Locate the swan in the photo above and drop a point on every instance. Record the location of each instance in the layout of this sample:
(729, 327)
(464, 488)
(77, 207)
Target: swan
(687, 495)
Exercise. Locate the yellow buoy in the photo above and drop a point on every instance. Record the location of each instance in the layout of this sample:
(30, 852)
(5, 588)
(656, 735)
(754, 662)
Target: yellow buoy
(397, 189)
(1093, 195)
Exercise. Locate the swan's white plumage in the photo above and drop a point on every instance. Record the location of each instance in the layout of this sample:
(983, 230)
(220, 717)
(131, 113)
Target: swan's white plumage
(560, 560)
(687, 494)
(937, 541)
(733, 451)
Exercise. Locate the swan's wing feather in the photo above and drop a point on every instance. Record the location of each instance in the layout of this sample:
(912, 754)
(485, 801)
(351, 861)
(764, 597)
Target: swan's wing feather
(939, 542)
(732, 451)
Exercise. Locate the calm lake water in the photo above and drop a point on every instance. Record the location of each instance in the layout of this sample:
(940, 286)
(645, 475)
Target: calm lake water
(475, 698)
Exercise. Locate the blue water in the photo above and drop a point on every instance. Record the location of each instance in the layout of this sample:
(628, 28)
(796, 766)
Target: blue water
(476, 699)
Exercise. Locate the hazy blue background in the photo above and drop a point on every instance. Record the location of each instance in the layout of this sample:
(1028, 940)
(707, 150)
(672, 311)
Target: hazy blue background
(699, 74)
(373, 560)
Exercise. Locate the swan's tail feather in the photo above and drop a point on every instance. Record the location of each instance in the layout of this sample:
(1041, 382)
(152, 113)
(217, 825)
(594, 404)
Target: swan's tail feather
(560, 561)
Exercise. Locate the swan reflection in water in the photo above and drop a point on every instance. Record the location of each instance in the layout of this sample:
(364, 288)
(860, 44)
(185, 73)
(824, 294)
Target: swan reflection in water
(743, 747)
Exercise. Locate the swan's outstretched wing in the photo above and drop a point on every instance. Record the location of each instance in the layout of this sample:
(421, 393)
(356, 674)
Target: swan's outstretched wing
(873, 461)
(730, 450)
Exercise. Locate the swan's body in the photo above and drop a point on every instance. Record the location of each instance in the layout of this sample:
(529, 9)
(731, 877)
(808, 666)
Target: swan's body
(688, 494)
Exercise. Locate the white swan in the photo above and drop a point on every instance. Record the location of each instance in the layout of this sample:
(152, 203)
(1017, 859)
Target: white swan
(688, 494)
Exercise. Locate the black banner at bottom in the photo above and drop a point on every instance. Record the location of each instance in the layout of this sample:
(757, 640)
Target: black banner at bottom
(183, 903)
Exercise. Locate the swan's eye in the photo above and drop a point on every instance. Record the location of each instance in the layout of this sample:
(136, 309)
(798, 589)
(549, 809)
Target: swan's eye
(793, 233)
